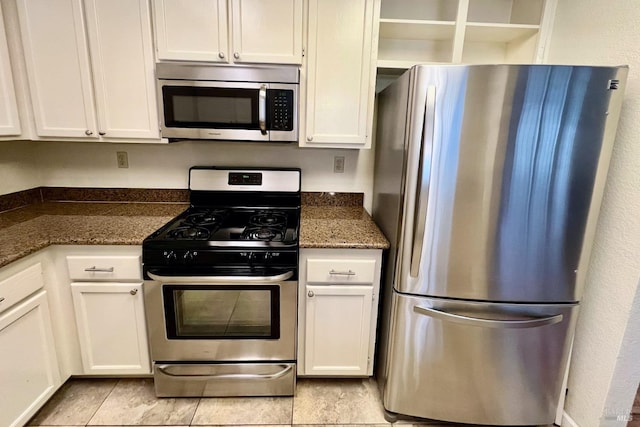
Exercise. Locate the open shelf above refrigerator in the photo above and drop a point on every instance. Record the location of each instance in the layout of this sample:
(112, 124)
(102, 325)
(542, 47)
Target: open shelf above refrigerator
(462, 31)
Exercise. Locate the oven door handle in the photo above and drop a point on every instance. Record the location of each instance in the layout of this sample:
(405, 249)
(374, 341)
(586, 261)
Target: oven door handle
(287, 368)
(221, 279)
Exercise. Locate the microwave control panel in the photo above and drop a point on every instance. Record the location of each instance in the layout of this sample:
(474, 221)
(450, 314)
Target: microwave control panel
(280, 109)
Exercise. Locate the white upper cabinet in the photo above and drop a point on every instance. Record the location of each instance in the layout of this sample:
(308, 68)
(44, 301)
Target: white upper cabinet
(463, 31)
(341, 70)
(191, 30)
(9, 119)
(268, 31)
(237, 31)
(75, 49)
(55, 49)
(122, 62)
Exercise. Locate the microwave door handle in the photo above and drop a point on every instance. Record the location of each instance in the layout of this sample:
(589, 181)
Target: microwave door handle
(422, 187)
(262, 109)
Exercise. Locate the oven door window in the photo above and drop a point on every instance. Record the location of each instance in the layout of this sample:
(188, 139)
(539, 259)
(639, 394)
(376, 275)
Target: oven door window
(210, 107)
(222, 312)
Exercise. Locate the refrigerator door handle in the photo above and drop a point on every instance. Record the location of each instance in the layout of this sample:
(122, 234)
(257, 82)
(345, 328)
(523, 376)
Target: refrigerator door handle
(486, 323)
(424, 176)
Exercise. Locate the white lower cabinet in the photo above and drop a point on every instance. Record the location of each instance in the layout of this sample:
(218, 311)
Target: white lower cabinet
(111, 327)
(338, 307)
(29, 370)
(109, 311)
(337, 330)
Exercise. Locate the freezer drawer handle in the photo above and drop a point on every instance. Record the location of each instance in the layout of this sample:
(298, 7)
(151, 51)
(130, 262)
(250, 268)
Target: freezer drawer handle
(422, 187)
(221, 279)
(287, 368)
(498, 324)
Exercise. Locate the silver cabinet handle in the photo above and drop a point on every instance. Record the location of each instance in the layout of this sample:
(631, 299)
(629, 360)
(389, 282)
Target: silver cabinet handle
(102, 133)
(133, 291)
(221, 55)
(309, 138)
(95, 269)
(236, 55)
(220, 279)
(310, 294)
(424, 174)
(166, 368)
(486, 323)
(262, 109)
(88, 132)
(342, 273)
(1, 299)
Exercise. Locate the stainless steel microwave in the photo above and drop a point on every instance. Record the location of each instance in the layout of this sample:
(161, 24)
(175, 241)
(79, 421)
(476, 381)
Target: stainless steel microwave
(199, 101)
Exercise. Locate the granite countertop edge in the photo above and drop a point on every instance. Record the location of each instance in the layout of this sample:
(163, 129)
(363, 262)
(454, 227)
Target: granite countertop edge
(27, 230)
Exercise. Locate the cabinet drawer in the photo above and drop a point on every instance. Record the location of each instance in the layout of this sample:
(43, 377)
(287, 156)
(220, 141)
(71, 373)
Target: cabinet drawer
(121, 267)
(20, 285)
(347, 271)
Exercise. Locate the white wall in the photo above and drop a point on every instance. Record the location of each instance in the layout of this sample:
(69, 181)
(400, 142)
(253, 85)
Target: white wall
(17, 171)
(86, 164)
(605, 368)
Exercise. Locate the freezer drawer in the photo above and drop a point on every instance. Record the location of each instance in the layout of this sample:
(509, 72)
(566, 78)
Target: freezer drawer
(224, 379)
(480, 363)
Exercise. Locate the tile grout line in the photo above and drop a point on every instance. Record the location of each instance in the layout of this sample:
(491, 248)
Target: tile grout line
(194, 412)
(102, 403)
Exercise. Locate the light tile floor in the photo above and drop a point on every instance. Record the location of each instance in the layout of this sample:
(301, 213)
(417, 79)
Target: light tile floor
(125, 402)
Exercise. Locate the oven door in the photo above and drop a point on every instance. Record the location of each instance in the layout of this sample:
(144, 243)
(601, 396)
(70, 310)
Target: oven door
(222, 319)
(242, 111)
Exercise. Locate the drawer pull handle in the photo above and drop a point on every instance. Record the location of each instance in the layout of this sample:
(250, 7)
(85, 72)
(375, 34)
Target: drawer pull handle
(342, 273)
(310, 294)
(133, 291)
(95, 269)
(1, 299)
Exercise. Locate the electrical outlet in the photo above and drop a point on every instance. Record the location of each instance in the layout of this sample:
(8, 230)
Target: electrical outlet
(338, 164)
(123, 159)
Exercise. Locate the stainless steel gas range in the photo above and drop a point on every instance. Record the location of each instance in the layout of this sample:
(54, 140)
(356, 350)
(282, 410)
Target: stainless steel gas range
(221, 286)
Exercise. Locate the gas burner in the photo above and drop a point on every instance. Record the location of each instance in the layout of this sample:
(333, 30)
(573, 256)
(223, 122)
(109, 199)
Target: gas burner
(267, 234)
(267, 218)
(205, 218)
(189, 233)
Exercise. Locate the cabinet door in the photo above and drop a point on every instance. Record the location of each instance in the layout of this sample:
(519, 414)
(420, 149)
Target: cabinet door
(57, 61)
(111, 328)
(9, 121)
(337, 330)
(340, 73)
(268, 31)
(122, 63)
(191, 30)
(29, 370)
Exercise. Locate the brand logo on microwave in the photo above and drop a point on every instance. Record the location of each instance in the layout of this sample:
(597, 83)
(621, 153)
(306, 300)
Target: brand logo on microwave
(214, 133)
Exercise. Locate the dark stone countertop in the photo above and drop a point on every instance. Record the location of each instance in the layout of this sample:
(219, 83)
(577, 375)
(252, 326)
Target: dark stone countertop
(26, 230)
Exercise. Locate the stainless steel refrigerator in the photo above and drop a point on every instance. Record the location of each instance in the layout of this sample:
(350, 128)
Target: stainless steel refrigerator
(488, 183)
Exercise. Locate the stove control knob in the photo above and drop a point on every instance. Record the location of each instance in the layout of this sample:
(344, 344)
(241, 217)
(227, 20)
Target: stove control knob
(170, 256)
(188, 257)
(267, 256)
